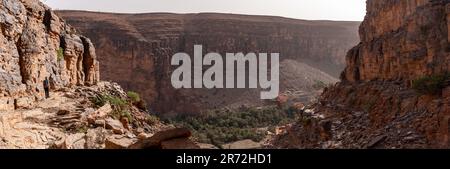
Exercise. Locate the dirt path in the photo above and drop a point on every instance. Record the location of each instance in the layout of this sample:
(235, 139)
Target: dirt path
(31, 128)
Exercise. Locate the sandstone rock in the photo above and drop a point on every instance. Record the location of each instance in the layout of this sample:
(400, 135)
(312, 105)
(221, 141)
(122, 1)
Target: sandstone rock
(142, 136)
(95, 138)
(118, 142)
(115, 125)
(30, 38)
(243, 144)
(156, 140)
(62, 112)
(6, 104)
(23, 103)
(100, 123)
(179, 143)
(75, 141)
(58, 144)
(125, 123)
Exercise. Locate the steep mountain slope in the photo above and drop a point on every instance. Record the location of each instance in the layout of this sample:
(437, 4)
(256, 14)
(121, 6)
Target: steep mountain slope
(30, 36)
(135, 51)
(395, 89)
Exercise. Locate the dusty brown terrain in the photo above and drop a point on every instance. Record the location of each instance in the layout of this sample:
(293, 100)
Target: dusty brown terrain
(375, 105)
(135, 50)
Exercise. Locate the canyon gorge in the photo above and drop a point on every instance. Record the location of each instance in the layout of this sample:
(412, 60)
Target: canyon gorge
(135, 51)
(381, 83)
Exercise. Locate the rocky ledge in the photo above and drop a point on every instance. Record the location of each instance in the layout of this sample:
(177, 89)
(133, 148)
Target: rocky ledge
(72, 119)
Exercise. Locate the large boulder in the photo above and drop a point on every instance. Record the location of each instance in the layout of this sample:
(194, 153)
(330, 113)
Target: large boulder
(115, 125)
(157, 139)
(118, 142)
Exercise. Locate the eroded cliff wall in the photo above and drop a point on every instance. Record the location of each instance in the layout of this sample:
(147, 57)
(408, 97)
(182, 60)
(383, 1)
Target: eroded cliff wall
(35, 43)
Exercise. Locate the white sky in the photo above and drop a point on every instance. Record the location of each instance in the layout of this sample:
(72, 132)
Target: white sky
(350, 10)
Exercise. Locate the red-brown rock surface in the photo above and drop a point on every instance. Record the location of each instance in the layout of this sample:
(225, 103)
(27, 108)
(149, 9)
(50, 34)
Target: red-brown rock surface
(401, 40)
(31, 35)
(375, 105)
(135, 51)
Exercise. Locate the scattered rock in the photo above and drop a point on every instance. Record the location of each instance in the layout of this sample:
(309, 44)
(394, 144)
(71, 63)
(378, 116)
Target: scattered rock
(376, 141)
(115, 125)
(118, 142)
(75, 141)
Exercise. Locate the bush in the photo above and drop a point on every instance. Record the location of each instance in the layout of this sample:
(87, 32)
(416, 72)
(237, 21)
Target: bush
(60, 53)
(135, 98)
(119, 105)
(432, 84)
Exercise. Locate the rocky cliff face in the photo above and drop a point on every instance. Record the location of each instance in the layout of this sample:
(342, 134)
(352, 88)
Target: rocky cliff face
(35, 43)
(401, 40)
(135, 51)
(375, 106)
(81, 113)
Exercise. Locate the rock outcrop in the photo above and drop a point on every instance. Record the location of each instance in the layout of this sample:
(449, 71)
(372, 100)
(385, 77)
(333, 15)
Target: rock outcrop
(401, 40)
(35, 44)
(135, 51)
(378, 104)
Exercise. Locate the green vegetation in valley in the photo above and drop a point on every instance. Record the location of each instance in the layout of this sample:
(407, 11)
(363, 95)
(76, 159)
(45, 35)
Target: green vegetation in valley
(225, 126)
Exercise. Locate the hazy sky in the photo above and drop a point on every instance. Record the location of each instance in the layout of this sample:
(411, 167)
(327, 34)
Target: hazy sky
(352, 10)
